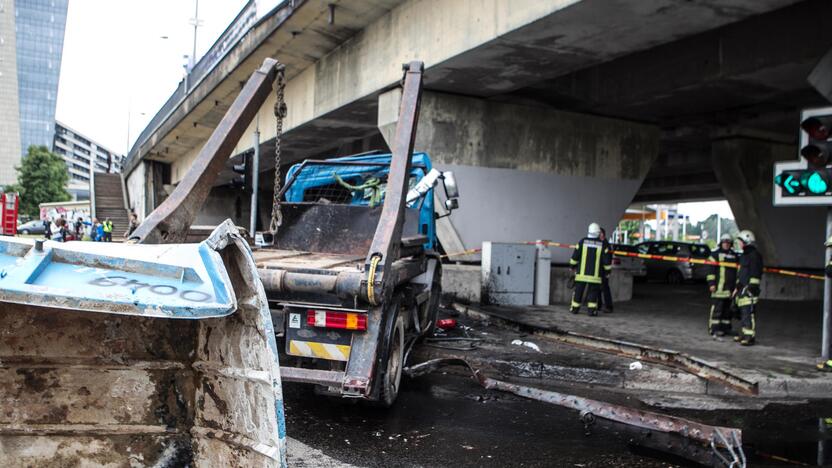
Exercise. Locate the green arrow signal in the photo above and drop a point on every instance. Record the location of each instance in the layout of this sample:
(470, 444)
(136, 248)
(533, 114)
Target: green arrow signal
(789, 182)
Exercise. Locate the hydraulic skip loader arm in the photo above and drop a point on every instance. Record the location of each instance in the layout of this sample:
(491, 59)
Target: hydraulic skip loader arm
(169, 222)
(381, 270)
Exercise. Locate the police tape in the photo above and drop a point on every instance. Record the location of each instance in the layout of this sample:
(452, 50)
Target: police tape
(665, 258)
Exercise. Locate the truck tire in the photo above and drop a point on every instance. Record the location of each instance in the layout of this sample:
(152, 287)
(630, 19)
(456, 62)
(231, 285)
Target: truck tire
(431, 306)
(391, 372)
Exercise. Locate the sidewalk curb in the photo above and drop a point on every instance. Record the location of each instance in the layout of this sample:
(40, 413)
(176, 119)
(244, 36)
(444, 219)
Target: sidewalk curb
(653, 377)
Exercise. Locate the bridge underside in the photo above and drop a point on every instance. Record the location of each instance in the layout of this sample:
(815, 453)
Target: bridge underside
(690, 94)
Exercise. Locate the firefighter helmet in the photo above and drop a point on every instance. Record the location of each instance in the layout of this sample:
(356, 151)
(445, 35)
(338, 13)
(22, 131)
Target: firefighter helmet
(594, 231)
(746, 236)
(726, 238)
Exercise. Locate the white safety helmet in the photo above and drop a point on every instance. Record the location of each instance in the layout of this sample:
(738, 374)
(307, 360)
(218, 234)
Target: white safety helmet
(594, 231)
(746, 236)
(726, 238)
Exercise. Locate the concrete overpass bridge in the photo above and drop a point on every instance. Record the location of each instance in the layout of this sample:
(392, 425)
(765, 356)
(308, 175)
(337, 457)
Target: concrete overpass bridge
(553, 113)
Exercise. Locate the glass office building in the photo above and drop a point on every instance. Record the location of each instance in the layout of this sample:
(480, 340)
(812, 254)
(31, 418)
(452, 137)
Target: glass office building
(39, 30)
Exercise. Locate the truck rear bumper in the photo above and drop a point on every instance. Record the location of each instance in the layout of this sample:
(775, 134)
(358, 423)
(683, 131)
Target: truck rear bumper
(312, 376)
(348, 388)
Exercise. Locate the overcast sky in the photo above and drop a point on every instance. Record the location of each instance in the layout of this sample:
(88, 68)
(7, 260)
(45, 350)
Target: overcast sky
(115, 61)
(699, 211)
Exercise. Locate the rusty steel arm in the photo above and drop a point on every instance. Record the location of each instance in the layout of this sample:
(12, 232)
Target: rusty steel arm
(170, 221)
(386, 244)
(725, 442)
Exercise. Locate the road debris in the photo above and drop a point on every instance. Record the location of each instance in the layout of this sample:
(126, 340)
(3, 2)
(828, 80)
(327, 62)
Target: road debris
(725, 443)
(667, 357)
(446, 324)
(527, 344)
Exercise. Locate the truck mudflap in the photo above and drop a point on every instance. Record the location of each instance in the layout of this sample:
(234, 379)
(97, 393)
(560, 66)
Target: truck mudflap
(139, 355)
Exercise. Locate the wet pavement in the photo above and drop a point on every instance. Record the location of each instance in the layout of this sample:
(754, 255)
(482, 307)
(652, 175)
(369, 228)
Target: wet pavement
(675, 318)
(449, 421)
(444, 420)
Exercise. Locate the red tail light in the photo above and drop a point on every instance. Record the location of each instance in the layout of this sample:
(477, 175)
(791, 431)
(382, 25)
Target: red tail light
(332, 319)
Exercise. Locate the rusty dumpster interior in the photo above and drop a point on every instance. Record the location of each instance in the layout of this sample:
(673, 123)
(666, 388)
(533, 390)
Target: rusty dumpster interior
(84, 388)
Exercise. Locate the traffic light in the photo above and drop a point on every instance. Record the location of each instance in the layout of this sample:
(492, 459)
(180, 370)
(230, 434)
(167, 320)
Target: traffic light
(817, 130)
(808, 180)
(246, 170)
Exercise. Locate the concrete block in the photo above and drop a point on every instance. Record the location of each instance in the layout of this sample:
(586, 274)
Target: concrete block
(462, 282)
(621, 286)
(790, 288)
(819, 387)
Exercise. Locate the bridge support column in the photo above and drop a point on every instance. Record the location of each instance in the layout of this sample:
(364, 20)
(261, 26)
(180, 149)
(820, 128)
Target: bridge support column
(528, 172)
(789, 237)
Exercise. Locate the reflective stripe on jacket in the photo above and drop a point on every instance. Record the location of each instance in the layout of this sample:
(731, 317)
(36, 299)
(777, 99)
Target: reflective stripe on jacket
(724, 279)
(590, 258)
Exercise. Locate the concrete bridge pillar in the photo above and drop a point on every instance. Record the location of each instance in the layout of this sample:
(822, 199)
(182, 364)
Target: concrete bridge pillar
(529, 172)
(789, 237)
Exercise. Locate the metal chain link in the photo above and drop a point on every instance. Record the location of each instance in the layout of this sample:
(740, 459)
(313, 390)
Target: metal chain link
(279, 115)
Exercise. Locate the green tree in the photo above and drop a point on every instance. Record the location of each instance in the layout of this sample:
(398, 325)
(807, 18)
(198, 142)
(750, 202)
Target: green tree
(41, 178)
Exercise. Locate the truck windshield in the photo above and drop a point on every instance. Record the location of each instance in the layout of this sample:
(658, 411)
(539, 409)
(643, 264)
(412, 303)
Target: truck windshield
(339, 183)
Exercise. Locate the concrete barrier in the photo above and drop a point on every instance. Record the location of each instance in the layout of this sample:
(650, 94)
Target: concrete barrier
(621, 286)
(464, 283)
(790, 288)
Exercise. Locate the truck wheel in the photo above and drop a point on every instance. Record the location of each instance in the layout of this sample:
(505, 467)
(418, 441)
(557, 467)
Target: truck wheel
(391, 376)
(431, 306)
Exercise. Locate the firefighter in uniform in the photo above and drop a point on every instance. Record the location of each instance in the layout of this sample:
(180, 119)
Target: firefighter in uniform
(721, 283)
(606, 292)
(590, 258)
(747, 291)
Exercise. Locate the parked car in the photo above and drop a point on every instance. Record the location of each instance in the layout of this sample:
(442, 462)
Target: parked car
(675, 272)
(32, 227)
(635, 266)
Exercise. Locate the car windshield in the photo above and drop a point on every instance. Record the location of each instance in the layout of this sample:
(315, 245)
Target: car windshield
(664, 249)
(700, 251)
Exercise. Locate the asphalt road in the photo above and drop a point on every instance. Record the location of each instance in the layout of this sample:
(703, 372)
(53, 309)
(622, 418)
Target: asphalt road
(449, 421)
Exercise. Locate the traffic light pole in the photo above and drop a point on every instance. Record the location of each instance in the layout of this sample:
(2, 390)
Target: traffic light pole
(826, 352)
(255, 177)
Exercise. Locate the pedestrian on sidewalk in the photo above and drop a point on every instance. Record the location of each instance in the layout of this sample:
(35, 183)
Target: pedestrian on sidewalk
(47, 228)
(721, 283)
(747, 291)
(60, 230)
(588, 261)
(108, 230)
(606, 293)
(79, 228)
(97, 231)
(132, 226)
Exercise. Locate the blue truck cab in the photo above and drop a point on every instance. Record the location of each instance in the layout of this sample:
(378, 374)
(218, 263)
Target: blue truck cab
(361, 180)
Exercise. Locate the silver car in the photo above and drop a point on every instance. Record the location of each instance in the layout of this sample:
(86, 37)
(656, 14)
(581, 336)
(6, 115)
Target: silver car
(634, 266)
(670, 271)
